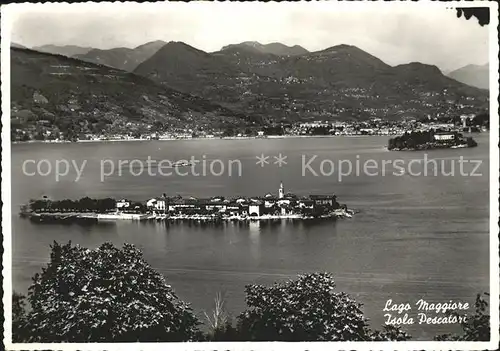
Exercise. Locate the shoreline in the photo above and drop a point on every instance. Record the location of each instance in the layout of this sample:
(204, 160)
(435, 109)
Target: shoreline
(460, 146)
(48, 217)
(194, 139)
(214, 138)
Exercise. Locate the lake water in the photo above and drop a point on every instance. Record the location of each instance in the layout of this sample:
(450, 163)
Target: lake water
(414, 236)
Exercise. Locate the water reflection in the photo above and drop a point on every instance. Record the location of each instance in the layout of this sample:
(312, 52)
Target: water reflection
(254, 233)
(254, 229)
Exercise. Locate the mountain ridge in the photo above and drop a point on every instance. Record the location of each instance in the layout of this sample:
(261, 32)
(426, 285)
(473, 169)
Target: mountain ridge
(473, 75)
(122, 58)
(58, 94)
(274, 48)
(339, 81)
(65, 50)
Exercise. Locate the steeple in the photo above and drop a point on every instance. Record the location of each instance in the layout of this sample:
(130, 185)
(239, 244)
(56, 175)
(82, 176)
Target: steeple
(281, 191)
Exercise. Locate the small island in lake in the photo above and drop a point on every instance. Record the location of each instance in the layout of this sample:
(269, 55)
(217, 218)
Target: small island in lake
(268, 207)
(426, 140)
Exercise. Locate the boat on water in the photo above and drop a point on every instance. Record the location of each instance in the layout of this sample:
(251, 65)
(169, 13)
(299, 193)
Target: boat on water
(181, 164)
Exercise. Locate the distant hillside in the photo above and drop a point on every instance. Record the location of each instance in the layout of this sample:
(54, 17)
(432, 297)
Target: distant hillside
(250, 60)
(339, 82)
(16, 45)
(338, 65)
(65, 50)
(191, 70)
(429, 78)
(53, 93)
(272, 48)
(122, 58)
(473, 75)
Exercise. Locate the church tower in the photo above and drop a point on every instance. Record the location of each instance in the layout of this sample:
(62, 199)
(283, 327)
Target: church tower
(281, 191)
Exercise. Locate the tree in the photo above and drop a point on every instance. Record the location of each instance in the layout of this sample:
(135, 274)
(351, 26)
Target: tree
(229, 132)
(18, 317)
(219, 323)
(104, 205)
(481, 13)
(482, 119)
(475, 327)
(106, 294)
(390, 333)
(39, 136)
(87, 204)
(306, 309)
(471, 142)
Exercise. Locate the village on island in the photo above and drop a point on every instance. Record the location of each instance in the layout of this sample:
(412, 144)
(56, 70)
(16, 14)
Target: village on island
(269, 206)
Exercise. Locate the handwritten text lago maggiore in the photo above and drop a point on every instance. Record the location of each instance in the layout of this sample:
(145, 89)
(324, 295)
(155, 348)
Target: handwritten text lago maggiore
(426, 312)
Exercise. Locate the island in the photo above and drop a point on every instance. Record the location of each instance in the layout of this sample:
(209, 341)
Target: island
(218, 208)
(430, 139)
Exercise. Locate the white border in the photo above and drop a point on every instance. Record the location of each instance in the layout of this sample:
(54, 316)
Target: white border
(6, 181)
(405, 345)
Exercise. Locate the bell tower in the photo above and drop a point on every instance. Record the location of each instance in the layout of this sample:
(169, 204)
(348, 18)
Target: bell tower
(281, 191)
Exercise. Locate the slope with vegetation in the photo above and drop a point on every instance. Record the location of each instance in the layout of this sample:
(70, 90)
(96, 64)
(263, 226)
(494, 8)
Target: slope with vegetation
(278, 49)
(53, 96)
(272, 84)
(65, 50)
(473, 75)
(122, 58)
(339, 82)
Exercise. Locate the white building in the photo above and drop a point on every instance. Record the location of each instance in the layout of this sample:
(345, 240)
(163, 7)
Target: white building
(157, 204)
(444, 136)
(255, 209)
(161, 205)
(151, 203)
(122, 204)
(220, 207)
(280, 196)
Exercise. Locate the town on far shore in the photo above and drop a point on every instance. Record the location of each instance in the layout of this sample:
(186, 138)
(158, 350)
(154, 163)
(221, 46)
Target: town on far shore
(285, 205)
(471, 122)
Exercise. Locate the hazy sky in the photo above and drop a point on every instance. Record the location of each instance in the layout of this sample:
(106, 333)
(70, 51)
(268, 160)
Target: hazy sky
(402, 34)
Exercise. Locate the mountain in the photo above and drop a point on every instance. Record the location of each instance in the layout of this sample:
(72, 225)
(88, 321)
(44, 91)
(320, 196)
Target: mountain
(188, 69)
(272, 48)
(54, 93)
(122, 58)
(65, 50)
(16, 45)
(337, 65)
(250, 60)
(284, 50)
(342, 81)
(445, 71)
(473, 75)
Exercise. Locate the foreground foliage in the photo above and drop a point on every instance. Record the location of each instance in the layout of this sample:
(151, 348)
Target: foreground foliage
(475, 327)
(307, 309)
(304, 309)
(113, 295)
(106, 294)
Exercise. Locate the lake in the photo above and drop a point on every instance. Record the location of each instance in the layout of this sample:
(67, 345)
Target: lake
(414, 236)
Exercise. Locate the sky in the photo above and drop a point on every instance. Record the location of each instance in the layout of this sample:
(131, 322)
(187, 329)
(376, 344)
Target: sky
(400, 34)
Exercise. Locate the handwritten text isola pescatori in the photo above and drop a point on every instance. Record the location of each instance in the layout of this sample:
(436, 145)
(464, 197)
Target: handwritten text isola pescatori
(426, 312)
